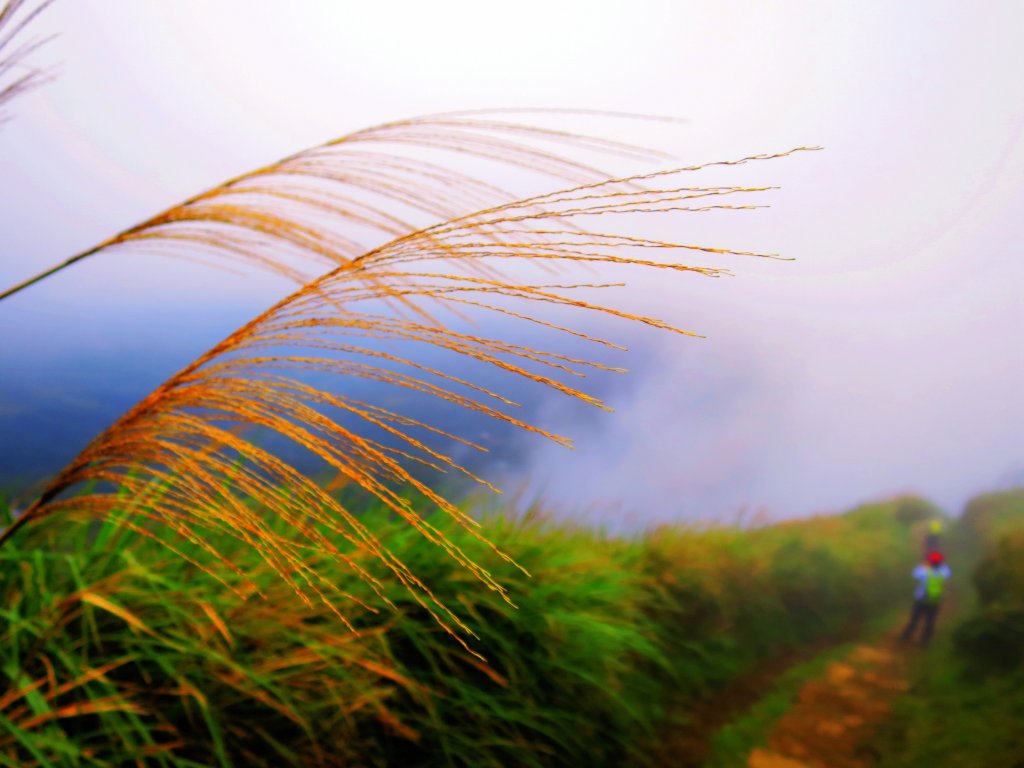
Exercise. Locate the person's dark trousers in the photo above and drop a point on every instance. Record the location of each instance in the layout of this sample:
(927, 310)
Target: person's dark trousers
(921, 610)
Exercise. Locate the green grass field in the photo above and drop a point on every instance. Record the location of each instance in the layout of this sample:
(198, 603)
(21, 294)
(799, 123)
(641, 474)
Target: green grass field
(118, 652)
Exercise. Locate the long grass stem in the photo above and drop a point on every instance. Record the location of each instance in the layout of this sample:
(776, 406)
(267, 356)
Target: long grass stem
(45, 273)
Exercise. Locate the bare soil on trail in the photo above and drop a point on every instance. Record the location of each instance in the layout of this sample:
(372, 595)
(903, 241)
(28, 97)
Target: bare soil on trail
(833, 722)
(685, 739)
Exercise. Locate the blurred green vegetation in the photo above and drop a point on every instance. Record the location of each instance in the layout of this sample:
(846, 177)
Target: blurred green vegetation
(966, 706)
(991, 642)
(117, 652)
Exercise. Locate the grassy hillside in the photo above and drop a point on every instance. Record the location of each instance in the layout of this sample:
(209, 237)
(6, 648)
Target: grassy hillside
(117, 652)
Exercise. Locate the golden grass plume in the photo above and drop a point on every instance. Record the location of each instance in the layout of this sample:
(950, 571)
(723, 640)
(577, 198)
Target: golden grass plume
(17, 76)
(314, 210)
(176, 459)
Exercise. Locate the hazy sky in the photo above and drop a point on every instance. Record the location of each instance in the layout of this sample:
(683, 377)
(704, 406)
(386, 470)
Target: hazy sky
(886, 358)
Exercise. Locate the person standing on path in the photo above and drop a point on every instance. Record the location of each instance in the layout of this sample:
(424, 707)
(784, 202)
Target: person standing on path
(931, 581)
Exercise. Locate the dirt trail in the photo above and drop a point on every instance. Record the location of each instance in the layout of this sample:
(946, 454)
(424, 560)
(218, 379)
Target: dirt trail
(832, 723)
(685, 740)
